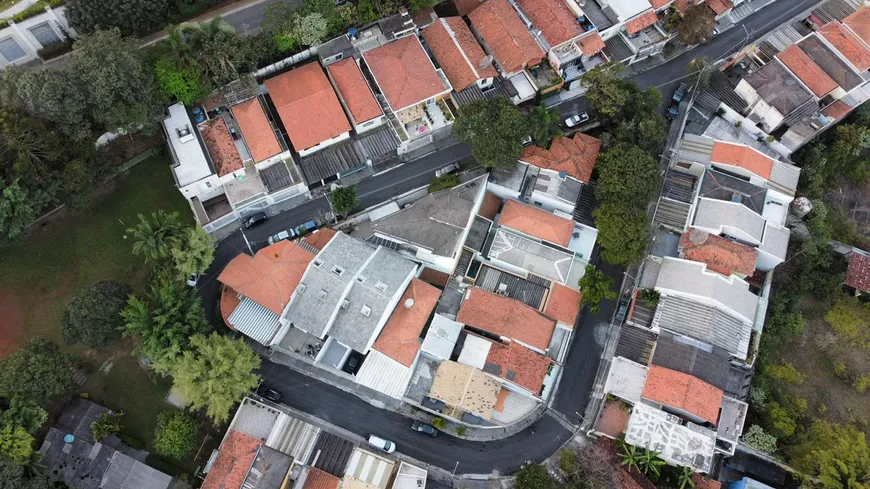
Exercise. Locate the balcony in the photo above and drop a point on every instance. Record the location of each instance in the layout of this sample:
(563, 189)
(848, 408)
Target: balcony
(545, 78)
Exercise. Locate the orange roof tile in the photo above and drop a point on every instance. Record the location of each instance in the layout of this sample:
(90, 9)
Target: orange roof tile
(510, 43)
(318, 479)
(575, 156)
(434, 277)
(506, 317)
(536, 222)
(657, 4)
(563, 304)
(519, 365)
(319, 238)
(683, 391)
(721, 255)
(269, 277)
(743, 157)
(221, 148)
(490, 206)
(400, 338)
(720, 6)
(230, 469)
(591, 44)
(847, 43)
(682, 6)
(807, 70)
(457, 51)
(859, 22)
(256, 129)
(858, 273)
(837, 110)
(640, 22)
(702, 482)
(354, 90)
(229, 302)
(404, 72)
(556, 22)
(297, 95)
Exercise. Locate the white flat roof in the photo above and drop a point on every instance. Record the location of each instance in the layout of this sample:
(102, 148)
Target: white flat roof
(626, 9)
(441, 337)
(626, 379)
(383, 374)
(679, 445)
(474, 351)
(192, 165)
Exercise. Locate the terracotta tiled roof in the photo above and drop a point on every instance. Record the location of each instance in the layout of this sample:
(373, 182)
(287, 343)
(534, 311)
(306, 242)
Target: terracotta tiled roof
(720, 254)
(859, 22)
(536, 222)
(504, 33)
(237, 453)
(591, 44)
(404, 72)
(640, 22)
(657, 4)
(682, 391)
(229, 302)
(702, 482)
(858, 273)
(575, 156)
(220, 146)
(506, 317)
(719, 6)
(300, 93)
(256, 129)
(682, 6)
(847, 43)
(490, 206)
(457, 51)
(807, 70)
(742, 156)
(465, 7)
(319, 238)
(837, 110)
(519, 365)
(434, 277)
(269, 277)
(400, 338)
(318, 479)
(354, 90)
(556, 22)
(563, 304)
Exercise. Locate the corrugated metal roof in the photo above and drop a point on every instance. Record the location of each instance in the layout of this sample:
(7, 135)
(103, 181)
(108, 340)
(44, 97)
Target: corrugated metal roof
(383, 374)
(617, 49)
(696, 149)
(254, 321)
(836, 9)
(784, 177)
(672, 214)
(635, 344)
(784, 37)
(703, 322)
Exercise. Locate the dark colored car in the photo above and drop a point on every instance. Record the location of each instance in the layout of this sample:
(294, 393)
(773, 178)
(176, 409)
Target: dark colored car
(268, 393)
(673, 111)
(680, 93)
(306, 227)
(254, 219)
(424, 428)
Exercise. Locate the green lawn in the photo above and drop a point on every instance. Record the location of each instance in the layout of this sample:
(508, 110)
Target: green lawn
(40, 275)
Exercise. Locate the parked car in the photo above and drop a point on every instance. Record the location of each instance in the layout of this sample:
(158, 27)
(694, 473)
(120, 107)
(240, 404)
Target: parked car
(306, 227)
(447, 169)
(679, 93)
(382, 444)
(673, 111)
(282, 235)
(254, 219)
(576, 120)
(269, 393)
(192, 279)
(424, 428)
(528, 141)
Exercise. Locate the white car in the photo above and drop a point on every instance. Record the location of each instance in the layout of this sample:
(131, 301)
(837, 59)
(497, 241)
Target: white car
(447, 169)
(576, 120)
(382, 444)
(282, 235)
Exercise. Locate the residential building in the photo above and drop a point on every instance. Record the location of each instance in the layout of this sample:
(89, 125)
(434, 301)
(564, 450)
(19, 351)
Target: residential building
(515, 365)
(721, 255)
(772, 93)
(858, 272)
(21, 41)
(368, 470)
(72, 455)
(296, 95)
(563, 305)
(464, 391)
(506, 319)
(459, 55)
(411, 87)
(258, 288)
(259, 133)
(356, 96)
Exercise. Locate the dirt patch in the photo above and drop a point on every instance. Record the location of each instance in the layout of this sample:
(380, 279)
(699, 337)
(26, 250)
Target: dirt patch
(11, 323)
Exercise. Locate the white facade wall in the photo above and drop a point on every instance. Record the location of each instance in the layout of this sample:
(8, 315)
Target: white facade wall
(22, 34)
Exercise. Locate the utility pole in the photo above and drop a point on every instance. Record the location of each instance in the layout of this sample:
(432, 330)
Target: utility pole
(454, 469)
(250, 250)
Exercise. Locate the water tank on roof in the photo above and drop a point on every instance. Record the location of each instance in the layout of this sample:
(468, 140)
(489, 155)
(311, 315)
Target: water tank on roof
(68, 438)
(352, 32)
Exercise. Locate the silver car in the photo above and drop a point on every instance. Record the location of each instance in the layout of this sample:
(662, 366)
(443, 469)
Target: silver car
(282, 235)
(576, 120)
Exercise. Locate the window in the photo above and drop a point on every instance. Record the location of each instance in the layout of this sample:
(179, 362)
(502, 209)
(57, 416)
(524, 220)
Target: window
(361, 279)
(208, 184)
(45, 34)
(318, 263)
(381, 286)
(10, 50)
(366, 310)
(344, 304)
(337, 270)
(323, 294)
(301, 288)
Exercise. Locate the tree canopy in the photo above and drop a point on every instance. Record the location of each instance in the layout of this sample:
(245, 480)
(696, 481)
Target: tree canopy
(155, 236)
(36, 372)
(495, 129)
(627, 175)
(24, 413)
(106, 425)
(697, 25)
(836, 456)
(194, 254)
(16, 444)
(343, 200)
(175, 435)
(215, 373)
(622, 233)
(544, 125)
(596, 287)
(94, 316)
(131, 17)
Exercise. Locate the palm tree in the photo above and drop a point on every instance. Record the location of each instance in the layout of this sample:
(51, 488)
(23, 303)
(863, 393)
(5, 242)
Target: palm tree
(684, 478)
(155, 236)
(651, 463)
(544, 125)
(630, 455)
(178, 46)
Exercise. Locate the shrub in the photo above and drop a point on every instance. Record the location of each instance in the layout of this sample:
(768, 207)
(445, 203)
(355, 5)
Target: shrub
(786, 373)
(439, 423)
(650, 297)
(758, 439)
(54, 50)
(106, 425)
(175, 435)
(862, 383)
(460, 431)
(443, 182)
